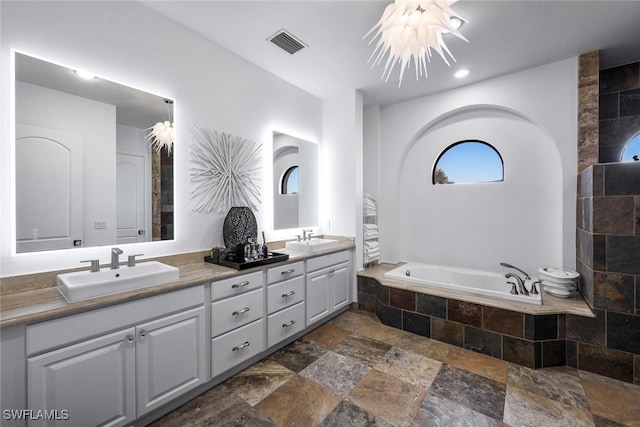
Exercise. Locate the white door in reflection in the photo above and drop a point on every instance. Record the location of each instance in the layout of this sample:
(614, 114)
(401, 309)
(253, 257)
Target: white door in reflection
(48, 189)
(130, 198)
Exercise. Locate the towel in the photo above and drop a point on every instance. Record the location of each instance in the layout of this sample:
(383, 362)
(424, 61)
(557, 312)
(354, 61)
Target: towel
(371, 244)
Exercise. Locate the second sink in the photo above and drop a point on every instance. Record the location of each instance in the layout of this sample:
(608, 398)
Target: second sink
(312, 245)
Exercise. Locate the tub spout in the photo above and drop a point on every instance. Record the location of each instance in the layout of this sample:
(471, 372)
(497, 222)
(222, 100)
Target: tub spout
(526, 276)
(520, 282)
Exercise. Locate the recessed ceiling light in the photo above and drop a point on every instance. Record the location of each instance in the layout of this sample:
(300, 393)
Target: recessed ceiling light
(84, 74)
(461, 73)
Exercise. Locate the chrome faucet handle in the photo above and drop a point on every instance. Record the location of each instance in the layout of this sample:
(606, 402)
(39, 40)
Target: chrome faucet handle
(534, 290)
(298, 237)
(95, 264)
(131, 260)
(514, 291)
(309, 235)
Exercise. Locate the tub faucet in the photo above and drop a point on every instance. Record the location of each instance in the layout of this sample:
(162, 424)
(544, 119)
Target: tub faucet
(526, 276)
(523, 290)
(115, 258)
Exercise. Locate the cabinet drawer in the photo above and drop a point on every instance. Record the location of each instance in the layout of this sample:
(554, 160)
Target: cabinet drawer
(283, 272)
(285, 323)
(230, 313)
(236, 285)
(327, 260)
(285, 294)
(237, 346)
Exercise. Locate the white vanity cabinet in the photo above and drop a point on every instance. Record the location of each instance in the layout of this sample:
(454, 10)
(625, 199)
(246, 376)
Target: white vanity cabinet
(285, 302)
(237, 320)
(327, 285)
(112, 365)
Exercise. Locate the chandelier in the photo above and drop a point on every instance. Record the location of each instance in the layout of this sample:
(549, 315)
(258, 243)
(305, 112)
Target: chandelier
(162, 133)
(409, 30)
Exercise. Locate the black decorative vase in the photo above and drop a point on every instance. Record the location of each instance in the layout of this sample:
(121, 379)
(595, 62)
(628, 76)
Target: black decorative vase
(239, 226)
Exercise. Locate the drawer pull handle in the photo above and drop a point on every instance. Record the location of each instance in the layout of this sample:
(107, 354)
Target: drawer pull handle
(240, 347)
(289, 324)
(291, 270)
(239, 312)
(240, 285)
(289, 294)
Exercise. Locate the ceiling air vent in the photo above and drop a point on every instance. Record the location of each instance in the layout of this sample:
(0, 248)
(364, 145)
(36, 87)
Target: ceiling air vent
(287, 41)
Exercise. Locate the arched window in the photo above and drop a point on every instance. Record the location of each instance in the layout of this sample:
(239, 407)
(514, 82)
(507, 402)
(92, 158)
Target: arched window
(631, 152)
(289, 183)
(467, 162)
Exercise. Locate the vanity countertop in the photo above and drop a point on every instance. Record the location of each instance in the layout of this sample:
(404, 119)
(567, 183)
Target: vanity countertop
(47, 302)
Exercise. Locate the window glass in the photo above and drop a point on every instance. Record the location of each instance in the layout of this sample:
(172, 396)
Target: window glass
(468, 162)
(290, 181)
(631, 152)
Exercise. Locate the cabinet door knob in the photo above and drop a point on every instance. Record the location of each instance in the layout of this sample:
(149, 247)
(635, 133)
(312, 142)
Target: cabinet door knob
(130, 339)
(240, 285)
(240, 347)
(289, 294)
(289, 324)
(142, 333)
(289, 271)
(239, 312)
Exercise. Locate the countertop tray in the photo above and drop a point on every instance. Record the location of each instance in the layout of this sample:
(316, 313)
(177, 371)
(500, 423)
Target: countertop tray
(271, 258)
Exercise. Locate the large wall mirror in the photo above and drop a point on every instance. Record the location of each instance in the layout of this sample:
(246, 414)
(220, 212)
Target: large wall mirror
(296, 201)
(85, 172)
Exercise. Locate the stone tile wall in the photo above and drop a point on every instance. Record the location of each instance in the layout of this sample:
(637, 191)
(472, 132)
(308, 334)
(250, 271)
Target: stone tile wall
(608, 231)
(608, 252)
(619, 110)
(528, 340)
(588, 66)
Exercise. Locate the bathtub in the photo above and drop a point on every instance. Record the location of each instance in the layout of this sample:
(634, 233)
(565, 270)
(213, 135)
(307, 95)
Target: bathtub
(461, 279)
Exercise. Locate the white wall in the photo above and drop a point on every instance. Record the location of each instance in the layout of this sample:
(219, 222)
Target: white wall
(341, 153)
(96, 123)
(129, 44)
(529, 219)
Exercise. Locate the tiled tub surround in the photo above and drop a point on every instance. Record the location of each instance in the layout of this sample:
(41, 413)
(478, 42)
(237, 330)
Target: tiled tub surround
(529, 335)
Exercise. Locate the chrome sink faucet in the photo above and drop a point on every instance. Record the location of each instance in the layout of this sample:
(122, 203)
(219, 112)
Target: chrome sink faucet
(115, 258)
(306, 234)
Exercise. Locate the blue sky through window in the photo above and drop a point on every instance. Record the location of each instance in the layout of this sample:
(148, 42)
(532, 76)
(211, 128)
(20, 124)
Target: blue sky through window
(291, 177)
(632, 149)
(471, 161)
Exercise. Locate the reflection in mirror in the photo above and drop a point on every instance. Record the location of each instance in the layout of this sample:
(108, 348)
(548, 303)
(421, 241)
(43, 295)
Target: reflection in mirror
(85, 175)
(295, 182)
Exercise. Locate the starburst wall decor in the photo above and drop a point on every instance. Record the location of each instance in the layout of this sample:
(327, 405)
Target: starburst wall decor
(224, 171)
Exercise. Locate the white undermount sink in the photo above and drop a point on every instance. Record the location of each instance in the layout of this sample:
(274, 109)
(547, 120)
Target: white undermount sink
(83, 285)
(312, 245)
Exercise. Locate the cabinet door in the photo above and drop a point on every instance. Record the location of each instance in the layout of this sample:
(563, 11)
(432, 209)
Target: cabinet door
(171, 357)
(339, 277)
(317, 295)
(93, 381)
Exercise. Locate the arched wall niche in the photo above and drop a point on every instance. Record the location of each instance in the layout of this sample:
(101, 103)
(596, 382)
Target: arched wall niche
(479, 225)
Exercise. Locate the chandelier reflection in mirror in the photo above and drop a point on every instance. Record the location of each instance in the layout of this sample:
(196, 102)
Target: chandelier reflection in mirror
(409, 30)
(224, 172)
(162, 133)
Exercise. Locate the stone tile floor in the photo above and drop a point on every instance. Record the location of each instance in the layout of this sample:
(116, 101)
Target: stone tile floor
(355, 371)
